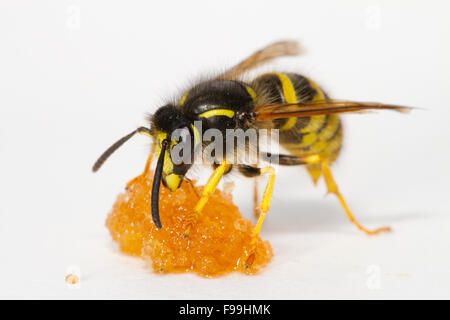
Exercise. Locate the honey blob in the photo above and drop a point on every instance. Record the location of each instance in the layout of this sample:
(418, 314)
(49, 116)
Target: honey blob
(72, 279)
(219, 243)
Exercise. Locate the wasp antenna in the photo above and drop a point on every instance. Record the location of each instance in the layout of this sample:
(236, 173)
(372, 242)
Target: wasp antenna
(117, 145)
(156, 184)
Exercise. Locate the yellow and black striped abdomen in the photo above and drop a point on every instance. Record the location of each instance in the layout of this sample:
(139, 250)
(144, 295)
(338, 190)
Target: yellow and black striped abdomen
(321, 135)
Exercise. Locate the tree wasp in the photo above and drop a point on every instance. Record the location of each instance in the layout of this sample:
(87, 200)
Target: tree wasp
(307, 120)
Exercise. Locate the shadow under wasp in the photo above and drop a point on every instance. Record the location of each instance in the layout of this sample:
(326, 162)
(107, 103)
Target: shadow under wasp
(307, 119)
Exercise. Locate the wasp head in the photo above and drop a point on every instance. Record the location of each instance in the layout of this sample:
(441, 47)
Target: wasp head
(174, 150)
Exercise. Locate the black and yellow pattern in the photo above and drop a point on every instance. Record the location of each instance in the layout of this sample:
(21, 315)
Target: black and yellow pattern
(310, 128)
(316, 135)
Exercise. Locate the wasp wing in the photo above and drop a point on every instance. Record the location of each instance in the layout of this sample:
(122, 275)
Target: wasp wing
(262, 56)
(315, 108)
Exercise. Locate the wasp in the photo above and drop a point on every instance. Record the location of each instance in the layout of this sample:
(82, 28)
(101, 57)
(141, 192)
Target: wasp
(307, 121)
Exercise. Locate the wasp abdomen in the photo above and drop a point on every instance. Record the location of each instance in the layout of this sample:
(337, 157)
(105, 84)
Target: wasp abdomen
(321, 135)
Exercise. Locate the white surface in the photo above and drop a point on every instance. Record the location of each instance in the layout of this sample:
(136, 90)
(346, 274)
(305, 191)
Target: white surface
(68, 91)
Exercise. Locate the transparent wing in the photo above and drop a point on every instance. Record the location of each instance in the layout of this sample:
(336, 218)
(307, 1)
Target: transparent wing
(314, 108)
(265, 55)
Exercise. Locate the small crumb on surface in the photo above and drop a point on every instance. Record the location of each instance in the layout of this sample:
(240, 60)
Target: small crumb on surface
(72, 279)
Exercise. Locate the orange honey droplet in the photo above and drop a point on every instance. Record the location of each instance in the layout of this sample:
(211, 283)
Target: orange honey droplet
(72, 279)
(219, 242)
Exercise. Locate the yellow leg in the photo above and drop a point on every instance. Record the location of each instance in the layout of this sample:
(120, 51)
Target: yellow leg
(264, 207)
(256, 210)
(146, 170)
(207, 191)
(333, 188)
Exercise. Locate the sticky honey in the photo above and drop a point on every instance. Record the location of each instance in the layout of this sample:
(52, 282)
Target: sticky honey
(219, 243)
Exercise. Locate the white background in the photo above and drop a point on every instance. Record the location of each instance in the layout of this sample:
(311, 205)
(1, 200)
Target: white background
(76, 75)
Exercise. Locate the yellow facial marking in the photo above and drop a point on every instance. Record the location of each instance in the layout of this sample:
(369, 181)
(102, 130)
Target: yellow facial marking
(217, 112)
(168, 165)
(160, 136)
(172, 181)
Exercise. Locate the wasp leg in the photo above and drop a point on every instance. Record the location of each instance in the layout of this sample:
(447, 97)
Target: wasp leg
(207, 191)
(290, 160)
(333, 188)
(282, 159)
(264, 207)
(256, 210)
(146, 170)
